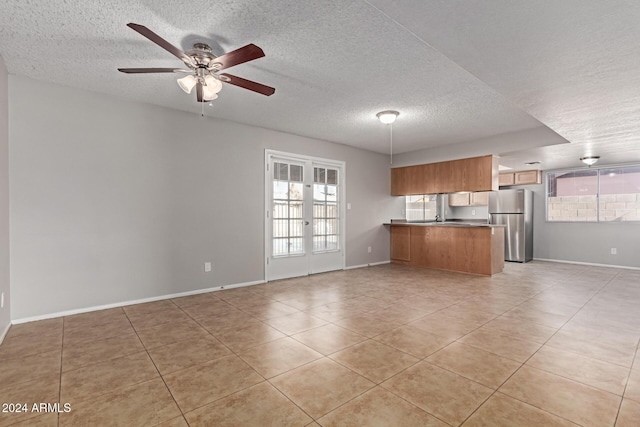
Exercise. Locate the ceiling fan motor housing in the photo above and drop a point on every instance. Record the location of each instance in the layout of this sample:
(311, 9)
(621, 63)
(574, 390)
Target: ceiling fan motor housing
(202, 56)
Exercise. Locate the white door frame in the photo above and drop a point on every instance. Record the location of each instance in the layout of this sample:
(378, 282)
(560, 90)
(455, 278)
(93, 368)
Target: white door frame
(266, 200)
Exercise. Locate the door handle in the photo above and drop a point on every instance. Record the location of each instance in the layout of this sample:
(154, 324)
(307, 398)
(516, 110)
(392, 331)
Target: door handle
(306, 223)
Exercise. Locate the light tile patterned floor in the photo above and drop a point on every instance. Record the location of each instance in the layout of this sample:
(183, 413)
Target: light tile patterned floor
(540, 344)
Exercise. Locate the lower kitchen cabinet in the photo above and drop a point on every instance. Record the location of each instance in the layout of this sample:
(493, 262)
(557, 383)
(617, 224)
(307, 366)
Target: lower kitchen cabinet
(476, 250)
(400, 243)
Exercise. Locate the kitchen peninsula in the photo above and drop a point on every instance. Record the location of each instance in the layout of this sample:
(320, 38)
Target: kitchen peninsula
(467, 248)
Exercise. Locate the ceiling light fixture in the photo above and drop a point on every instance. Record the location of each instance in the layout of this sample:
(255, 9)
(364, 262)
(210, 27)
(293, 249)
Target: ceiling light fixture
(590, 160)
(187, 83)
(210, 85)
(388, 117)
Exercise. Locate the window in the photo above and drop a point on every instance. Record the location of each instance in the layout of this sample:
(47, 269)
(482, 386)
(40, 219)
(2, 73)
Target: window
(592, 195)
(288, 209)
(325, 209)
(421, 207)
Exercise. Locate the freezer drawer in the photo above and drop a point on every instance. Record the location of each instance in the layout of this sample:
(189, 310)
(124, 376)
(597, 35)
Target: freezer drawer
(515, 236)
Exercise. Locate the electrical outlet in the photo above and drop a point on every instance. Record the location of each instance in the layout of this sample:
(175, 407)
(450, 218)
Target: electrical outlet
(207, 267)
(369, 249)
(348, 206)
(2, 300)
(473, 212)
(614, 251)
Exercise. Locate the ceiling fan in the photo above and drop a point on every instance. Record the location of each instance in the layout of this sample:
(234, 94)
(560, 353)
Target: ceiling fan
(203, 67)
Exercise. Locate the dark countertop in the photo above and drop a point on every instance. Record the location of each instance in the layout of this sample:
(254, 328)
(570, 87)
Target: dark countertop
(457, 224)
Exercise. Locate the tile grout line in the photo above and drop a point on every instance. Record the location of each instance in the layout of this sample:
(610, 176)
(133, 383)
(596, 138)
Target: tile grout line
(267, 380)
(534, 353)
(61, 360)
(156, 367)
(626, 384)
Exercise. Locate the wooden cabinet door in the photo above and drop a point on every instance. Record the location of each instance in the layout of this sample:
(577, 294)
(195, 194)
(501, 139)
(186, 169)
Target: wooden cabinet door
(424, 177)
(480, 198)
(527, 177)
(444, 177)
(399, 181)
(459, 199)
(508, 178)
(401, 243)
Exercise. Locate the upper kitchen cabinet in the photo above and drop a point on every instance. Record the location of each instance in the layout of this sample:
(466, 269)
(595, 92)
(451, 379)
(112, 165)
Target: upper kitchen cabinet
(469, 199)
(412, 180)
(508, 178)
(520, 178)
(473, 174)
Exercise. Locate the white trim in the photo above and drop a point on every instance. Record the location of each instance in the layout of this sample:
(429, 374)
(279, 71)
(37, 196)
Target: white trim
(132, 302)
(353, 267)
(593, 264)
(4, 333)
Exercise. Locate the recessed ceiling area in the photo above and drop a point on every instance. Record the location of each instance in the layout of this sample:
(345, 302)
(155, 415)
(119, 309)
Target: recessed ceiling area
(457, 72)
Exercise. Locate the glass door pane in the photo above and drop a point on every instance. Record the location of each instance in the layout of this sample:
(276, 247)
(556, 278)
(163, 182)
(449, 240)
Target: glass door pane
(288, 210)
(326, 227)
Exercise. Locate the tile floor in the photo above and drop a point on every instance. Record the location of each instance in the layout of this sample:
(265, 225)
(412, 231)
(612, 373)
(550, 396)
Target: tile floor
(541, 344)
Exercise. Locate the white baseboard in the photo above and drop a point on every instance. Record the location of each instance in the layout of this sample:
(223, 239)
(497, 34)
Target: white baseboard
(352, 267)
(4, 333)
(593, 264)
(132, 302)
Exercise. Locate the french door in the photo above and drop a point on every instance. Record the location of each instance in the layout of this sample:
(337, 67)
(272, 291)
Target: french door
(304, 215)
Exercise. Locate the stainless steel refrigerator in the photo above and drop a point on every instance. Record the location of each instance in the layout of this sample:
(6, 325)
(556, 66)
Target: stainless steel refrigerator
(514, 210)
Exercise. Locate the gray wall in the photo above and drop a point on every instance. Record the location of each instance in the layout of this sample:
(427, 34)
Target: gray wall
(5, 314)
(583, 242)
(113, 200)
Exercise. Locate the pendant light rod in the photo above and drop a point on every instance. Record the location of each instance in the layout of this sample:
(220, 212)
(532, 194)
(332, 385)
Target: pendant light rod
(390, 143)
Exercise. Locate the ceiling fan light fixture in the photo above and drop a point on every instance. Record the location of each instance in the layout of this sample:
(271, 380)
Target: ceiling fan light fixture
(590, 160)
(207, 95)
(187, 83)
(212, 84)
(387, 117)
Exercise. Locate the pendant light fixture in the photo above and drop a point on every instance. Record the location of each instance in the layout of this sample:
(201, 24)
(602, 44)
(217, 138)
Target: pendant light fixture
(388, 117)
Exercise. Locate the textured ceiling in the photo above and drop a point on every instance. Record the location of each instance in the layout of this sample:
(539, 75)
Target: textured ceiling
(456, 70)
(572, 64)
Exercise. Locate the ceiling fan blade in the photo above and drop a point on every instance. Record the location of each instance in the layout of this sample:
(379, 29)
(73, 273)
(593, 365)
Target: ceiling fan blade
(160, 42)
(199, 92)
(153, 70)
(239, 56)
(248, 84)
